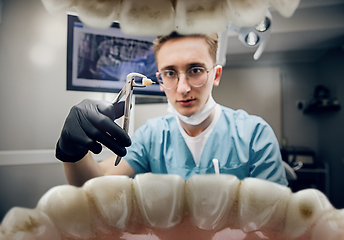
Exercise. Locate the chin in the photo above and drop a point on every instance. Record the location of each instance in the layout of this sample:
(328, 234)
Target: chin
(187, 113)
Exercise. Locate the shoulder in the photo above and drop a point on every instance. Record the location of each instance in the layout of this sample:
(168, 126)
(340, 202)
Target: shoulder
(244, 125)
(158, 124)
(240, 116)
(163, 121)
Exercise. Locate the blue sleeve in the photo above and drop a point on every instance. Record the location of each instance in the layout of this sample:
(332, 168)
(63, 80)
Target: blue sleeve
(137, 153)
(265, 155)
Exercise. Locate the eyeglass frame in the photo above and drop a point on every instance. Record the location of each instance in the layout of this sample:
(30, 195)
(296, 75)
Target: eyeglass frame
(207, 71)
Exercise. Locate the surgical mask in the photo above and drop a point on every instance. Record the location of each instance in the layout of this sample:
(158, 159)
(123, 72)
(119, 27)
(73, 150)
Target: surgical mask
(199, 116)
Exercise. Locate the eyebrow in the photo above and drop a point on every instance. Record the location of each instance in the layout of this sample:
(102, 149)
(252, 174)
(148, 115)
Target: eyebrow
(190, 65)
(197, 64)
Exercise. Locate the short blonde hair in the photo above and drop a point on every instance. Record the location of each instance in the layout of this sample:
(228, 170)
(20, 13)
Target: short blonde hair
(211, 39)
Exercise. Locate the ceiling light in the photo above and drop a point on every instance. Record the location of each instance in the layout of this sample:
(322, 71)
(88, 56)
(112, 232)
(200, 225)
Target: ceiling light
(256, 36)
(264, 25)
(252, 39)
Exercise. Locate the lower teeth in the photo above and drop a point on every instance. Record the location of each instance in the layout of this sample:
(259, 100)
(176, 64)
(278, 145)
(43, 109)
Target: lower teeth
(113, 206)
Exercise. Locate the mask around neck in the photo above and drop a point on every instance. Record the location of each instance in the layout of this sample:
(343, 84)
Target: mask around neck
(199, 116)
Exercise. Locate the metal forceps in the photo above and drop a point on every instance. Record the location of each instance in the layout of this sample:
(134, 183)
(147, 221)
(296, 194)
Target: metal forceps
(128, 89)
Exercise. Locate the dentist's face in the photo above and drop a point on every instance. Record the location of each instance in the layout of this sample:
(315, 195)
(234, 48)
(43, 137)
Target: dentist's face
(180, 55)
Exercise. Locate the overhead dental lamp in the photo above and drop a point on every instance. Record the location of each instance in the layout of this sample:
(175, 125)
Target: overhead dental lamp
(255, 36)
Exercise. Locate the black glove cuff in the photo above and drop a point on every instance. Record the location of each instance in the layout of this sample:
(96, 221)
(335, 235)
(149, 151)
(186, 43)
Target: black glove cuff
(66, 158)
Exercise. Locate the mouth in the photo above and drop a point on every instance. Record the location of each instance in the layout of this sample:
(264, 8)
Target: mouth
(205, 207)
(186, 102)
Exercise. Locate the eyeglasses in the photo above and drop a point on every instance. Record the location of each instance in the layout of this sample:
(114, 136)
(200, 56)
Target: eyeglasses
(196, 77)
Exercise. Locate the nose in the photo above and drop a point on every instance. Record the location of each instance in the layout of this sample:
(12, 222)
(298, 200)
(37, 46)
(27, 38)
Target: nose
(183, 86)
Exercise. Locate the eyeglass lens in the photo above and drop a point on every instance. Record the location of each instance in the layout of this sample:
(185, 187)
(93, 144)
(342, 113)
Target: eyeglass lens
(196, 77)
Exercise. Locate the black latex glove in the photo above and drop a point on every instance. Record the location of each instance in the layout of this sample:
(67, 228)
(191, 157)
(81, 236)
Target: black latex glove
(88, 124)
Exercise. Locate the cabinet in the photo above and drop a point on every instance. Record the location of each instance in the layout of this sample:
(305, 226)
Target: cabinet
(322, 102)
(322, 106)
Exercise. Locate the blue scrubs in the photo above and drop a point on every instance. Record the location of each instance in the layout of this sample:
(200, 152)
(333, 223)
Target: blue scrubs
(245, 146)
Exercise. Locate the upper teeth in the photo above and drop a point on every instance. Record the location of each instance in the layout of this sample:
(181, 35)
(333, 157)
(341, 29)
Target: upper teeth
(211, 202)
(159, 17)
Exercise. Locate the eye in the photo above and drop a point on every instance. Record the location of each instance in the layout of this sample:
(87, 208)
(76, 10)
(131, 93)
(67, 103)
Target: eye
(169, 74)
(196, 70)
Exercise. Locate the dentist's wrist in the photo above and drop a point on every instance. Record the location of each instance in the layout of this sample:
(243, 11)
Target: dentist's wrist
(62, 156)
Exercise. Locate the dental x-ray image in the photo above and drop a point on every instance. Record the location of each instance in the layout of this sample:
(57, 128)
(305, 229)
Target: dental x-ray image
(100, 59)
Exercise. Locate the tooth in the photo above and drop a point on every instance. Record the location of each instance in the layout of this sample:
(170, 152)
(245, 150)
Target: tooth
(58, 6)
(27, 224)
(99, 13)
(330, 226)
(304, 208)
(112, 198)
(201, 16)
(285, 7)
(247, 13)
(210, 198)
(69, 209)
(148, 17)
(160, 199)
(262, 205)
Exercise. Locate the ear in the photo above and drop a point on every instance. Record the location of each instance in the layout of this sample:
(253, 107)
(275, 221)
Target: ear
(218, 74)
(161, 88)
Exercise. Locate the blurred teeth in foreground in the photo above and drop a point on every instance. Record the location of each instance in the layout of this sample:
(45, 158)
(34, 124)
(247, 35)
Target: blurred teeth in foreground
(206, 206)
(159, 17)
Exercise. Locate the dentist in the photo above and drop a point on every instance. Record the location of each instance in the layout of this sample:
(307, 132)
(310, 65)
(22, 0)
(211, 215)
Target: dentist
(184, 142)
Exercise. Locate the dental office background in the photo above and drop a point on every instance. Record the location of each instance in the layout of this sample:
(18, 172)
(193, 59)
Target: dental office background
(34, 103)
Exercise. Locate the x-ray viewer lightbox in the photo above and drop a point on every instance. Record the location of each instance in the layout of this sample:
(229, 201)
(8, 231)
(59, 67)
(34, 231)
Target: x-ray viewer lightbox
(99, 60)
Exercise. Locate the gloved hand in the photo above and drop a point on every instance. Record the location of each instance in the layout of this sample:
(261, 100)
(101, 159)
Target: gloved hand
(88, 124)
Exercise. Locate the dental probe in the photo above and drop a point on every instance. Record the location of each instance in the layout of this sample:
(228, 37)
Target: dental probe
(128, 89)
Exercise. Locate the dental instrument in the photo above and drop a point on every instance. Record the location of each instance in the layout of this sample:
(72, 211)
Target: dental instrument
(128, 89)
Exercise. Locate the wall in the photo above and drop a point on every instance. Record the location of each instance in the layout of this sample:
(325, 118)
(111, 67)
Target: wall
(256, 90)
(298, 82)
(331, 130)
